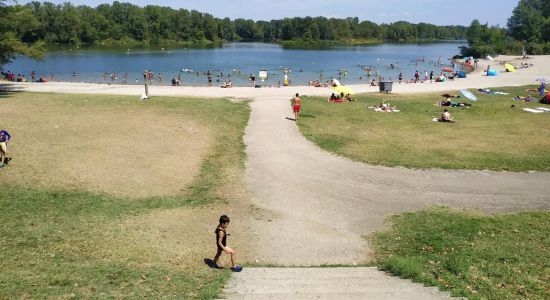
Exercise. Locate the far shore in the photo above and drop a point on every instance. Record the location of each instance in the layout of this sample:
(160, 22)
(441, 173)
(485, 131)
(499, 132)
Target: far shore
(478, 79)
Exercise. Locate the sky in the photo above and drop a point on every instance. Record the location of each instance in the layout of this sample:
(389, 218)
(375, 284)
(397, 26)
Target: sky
(439, 12)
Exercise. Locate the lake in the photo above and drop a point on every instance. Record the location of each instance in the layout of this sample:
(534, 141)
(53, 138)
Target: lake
(236, 61)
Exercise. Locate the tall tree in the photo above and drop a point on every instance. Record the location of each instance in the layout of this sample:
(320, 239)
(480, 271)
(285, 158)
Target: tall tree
(16, 24)
(527, 21)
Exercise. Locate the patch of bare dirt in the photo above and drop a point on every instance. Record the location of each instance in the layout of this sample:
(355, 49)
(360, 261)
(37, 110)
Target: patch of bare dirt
(121, 150)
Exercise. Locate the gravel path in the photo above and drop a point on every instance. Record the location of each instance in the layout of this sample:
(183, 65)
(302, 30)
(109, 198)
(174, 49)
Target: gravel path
(314, 208)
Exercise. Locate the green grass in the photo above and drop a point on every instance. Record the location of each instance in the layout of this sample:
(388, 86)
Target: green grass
(472, 255)
(70, 243)
(490, 135)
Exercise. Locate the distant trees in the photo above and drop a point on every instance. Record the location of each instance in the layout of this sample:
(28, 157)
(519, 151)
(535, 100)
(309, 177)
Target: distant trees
(70, 24)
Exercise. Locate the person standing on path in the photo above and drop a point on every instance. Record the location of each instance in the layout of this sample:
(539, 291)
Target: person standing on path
(296, 106)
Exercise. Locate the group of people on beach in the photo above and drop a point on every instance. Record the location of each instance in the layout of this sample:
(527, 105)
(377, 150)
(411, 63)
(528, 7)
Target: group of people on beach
(10, 76)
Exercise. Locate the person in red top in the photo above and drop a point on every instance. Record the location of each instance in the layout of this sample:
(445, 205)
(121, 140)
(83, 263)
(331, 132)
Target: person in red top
(296, 106)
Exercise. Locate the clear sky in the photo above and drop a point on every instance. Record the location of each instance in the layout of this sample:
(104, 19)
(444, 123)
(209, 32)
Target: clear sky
(439, 12)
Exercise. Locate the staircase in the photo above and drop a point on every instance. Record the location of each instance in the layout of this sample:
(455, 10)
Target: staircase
(325, 283)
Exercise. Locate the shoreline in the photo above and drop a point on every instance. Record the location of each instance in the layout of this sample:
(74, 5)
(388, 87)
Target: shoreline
(527, 76)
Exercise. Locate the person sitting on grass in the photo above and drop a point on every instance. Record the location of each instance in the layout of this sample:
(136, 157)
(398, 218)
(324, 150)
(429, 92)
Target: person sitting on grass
(349, 98)
(221, 243)
(332, 98)
(385, 106)
(445, 117)
(339, 98)
(4, 138)
(545, 99)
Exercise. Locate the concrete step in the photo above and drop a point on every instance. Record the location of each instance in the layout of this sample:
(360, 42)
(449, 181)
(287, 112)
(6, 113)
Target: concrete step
(325, 283)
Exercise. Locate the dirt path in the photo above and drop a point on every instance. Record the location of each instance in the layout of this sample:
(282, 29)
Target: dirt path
(313, 207)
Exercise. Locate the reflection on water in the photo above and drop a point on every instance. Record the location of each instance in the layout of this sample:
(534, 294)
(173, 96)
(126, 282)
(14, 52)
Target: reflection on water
(236, 62)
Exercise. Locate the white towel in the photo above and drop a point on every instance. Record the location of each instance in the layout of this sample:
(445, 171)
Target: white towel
(535, 111)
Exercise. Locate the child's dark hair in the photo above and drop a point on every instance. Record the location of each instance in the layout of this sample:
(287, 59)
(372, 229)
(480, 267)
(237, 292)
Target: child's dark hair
(224, 219)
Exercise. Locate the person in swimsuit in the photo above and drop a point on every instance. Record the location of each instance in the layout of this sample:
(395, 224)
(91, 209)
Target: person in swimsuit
(221, 243)
(446, 117)
(296, 106)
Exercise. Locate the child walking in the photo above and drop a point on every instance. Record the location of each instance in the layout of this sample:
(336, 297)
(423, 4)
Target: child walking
(221, 243)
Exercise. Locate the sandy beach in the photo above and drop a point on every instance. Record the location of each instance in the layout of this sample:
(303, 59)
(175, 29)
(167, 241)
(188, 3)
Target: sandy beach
(478, 79)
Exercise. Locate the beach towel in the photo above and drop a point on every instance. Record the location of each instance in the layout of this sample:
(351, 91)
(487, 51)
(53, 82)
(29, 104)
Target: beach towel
(489, 92)
(378, 109)
(535, 111)
(544, 109)
(526, 99)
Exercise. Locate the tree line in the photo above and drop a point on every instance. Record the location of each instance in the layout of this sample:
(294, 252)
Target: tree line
(70, 24)
(528, 32)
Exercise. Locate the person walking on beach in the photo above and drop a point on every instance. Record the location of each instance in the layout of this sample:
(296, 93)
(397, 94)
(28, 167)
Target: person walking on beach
(4, 138)
(221, 243)
(296, 106)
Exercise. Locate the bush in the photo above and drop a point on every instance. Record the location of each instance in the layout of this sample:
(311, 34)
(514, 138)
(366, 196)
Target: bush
(535, 48)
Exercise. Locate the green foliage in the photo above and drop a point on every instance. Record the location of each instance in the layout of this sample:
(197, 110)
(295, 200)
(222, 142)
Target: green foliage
(528, 20)
(528, 30)
(18, 33)
(70, 24)
(484, 40)
(472, 255)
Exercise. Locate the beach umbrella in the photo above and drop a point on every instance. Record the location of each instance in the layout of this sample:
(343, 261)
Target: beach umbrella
(336, 82)
(468, 95)
(343, 89)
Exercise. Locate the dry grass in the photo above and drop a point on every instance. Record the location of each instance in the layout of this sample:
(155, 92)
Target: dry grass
(123, 149)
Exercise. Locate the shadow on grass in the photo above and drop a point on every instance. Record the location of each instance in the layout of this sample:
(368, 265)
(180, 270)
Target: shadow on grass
(7, 89)
(307, 116)
(210, 263)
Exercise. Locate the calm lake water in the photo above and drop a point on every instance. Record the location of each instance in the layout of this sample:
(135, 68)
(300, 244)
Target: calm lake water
(237, 61)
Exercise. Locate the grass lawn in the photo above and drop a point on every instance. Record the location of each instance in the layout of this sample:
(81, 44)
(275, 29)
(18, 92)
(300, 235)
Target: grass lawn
(490, 135)
(110, 197)
(472, 255)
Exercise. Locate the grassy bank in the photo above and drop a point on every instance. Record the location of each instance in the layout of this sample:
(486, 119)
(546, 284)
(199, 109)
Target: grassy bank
(86, 241)
(472, 255)
(489, 135)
